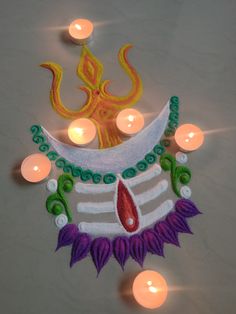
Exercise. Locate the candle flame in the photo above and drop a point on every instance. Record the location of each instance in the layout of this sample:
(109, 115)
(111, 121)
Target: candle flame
(78, 27)
(79, 131)
(130, 117)
(152, 289)
(36, 168)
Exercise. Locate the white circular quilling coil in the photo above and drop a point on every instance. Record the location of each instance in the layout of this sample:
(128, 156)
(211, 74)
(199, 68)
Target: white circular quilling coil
(61, 220)
(182, 158)
(52, 185)
(185, 192)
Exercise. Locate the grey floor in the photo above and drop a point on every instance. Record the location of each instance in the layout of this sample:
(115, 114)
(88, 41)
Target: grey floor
(181, 47)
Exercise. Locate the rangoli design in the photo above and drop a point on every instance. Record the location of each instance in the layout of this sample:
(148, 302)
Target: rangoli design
(116, 167)
(101, 106)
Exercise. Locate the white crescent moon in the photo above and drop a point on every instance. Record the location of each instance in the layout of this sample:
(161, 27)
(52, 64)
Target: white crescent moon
(118, 158)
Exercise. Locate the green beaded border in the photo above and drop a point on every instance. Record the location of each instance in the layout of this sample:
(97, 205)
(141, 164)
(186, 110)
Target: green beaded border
(173, 122)
(88, 175)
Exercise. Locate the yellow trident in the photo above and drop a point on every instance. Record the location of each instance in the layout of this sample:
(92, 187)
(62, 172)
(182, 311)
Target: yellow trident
(101, 106)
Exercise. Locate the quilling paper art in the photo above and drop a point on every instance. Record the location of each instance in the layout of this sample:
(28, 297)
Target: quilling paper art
(117, 168)
(101, 106)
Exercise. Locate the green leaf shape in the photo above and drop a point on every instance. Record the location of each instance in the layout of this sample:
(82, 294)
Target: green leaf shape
(56, 203)
(179, 174)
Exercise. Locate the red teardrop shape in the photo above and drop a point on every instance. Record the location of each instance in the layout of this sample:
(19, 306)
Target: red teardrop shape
(126, 208)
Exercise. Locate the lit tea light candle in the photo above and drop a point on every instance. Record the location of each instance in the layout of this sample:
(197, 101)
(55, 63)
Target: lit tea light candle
(80, 31)
(35, 168)
(82, 131)
(189, 137)
(150, 289)
(130, 121)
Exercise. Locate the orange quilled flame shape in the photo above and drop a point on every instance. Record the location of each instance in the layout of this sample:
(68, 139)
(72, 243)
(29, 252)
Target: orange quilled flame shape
(101, 106)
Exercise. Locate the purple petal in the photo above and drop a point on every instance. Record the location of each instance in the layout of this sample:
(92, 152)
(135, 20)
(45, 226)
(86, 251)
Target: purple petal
(178, 223)
(166, 233)
(138, 249)
(67, 235)
(186, 208)
(80, 248)
(101, 251)
(153, 242)
(121, 250)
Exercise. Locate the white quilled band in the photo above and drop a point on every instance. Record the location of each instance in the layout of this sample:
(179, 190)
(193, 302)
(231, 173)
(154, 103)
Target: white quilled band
(140, 199)
(101, 228)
